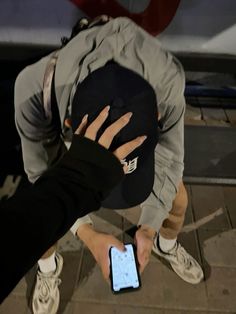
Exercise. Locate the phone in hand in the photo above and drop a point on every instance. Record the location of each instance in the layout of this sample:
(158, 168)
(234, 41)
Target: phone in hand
(124, 273)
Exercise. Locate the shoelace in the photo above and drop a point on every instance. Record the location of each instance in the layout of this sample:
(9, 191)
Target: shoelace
(44, 288)
(183, 257)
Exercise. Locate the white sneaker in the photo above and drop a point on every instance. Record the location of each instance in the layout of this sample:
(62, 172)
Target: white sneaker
(182, 263)
(46, 295)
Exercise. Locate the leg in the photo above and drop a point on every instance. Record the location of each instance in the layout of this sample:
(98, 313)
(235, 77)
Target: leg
(173, 224)
(167, 247)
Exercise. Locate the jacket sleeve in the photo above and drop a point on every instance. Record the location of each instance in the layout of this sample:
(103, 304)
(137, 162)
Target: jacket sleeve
(35, 218)
(40, 137)
(166, 75)
(42, 145)
(169, 167)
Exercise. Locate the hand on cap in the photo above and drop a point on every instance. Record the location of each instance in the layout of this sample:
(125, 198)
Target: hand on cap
(110, 132)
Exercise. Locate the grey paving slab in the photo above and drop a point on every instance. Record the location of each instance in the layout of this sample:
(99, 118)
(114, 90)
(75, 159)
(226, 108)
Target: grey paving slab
(26, 285)
(231, 115)
(111, 216)
(219, 123)
(181, 295)
(66, 308)
(192, 113)
(184, 312)
(195, 122)
(221, 289)
(131, 214)
(107, 220)
(21, 289)
(194, 312)
(130, 221)
(162, 288)
(214, 116)
(69, 243)
(205, 201)
(13, 305)
(230, 203)
(88, 308)
(220, 250)
(203, 236)
(95, 289)
(69, 274)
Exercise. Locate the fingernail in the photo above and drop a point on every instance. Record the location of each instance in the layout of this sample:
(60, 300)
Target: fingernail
(128, 116)
(142, 138)
(105, 111)
(85, 118)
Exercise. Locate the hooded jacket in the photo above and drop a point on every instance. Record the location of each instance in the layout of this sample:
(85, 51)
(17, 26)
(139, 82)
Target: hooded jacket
(129, 45)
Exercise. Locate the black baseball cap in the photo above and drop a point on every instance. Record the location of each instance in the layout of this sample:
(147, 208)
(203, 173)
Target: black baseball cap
(125, 91)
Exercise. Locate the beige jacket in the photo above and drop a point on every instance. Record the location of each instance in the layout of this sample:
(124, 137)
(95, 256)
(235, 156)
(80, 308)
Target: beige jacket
(130, 46)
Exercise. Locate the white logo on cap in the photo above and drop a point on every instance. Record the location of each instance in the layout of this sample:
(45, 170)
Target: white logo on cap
(132, 164)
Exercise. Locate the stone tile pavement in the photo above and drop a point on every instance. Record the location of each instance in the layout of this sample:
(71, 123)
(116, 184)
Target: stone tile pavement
(209, 237)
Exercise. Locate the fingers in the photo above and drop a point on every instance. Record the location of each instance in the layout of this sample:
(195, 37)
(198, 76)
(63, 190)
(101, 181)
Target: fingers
(117, 244)
(68, 123)
(93, 128)
(127, 148)
(82, 125)
(143, 258)
(108, 135)
(105, 265)
(144, 247)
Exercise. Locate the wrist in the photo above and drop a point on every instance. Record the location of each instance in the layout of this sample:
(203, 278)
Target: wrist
(85, 232)
(150, 232)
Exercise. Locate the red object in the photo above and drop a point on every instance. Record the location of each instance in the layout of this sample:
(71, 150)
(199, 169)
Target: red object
(154, 19)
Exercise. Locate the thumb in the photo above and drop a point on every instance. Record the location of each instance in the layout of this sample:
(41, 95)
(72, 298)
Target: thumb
(105, 267)
(118, 244)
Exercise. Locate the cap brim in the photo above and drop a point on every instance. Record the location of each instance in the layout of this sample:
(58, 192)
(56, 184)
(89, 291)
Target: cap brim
(134, 188)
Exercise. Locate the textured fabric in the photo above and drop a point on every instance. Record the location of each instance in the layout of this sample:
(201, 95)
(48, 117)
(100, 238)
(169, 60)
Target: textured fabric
(36, 217)
(129, 45)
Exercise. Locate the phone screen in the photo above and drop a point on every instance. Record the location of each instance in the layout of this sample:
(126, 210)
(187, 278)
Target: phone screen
(124, 272)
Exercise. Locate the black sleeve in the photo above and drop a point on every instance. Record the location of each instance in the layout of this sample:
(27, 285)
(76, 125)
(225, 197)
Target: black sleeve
(35, 218)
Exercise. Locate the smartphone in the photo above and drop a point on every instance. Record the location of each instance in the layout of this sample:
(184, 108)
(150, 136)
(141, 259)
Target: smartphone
(124, 273)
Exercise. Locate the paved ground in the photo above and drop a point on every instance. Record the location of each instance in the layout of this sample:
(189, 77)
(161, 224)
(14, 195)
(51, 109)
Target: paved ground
(209, 234)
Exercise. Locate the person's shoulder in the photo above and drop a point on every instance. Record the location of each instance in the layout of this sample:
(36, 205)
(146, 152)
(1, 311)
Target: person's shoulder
(31, 77)
(123, 22)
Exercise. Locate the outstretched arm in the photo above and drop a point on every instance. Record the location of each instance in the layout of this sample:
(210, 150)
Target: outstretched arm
(41, 214)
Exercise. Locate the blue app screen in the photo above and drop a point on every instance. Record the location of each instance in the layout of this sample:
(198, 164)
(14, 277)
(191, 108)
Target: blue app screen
(124, 272)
